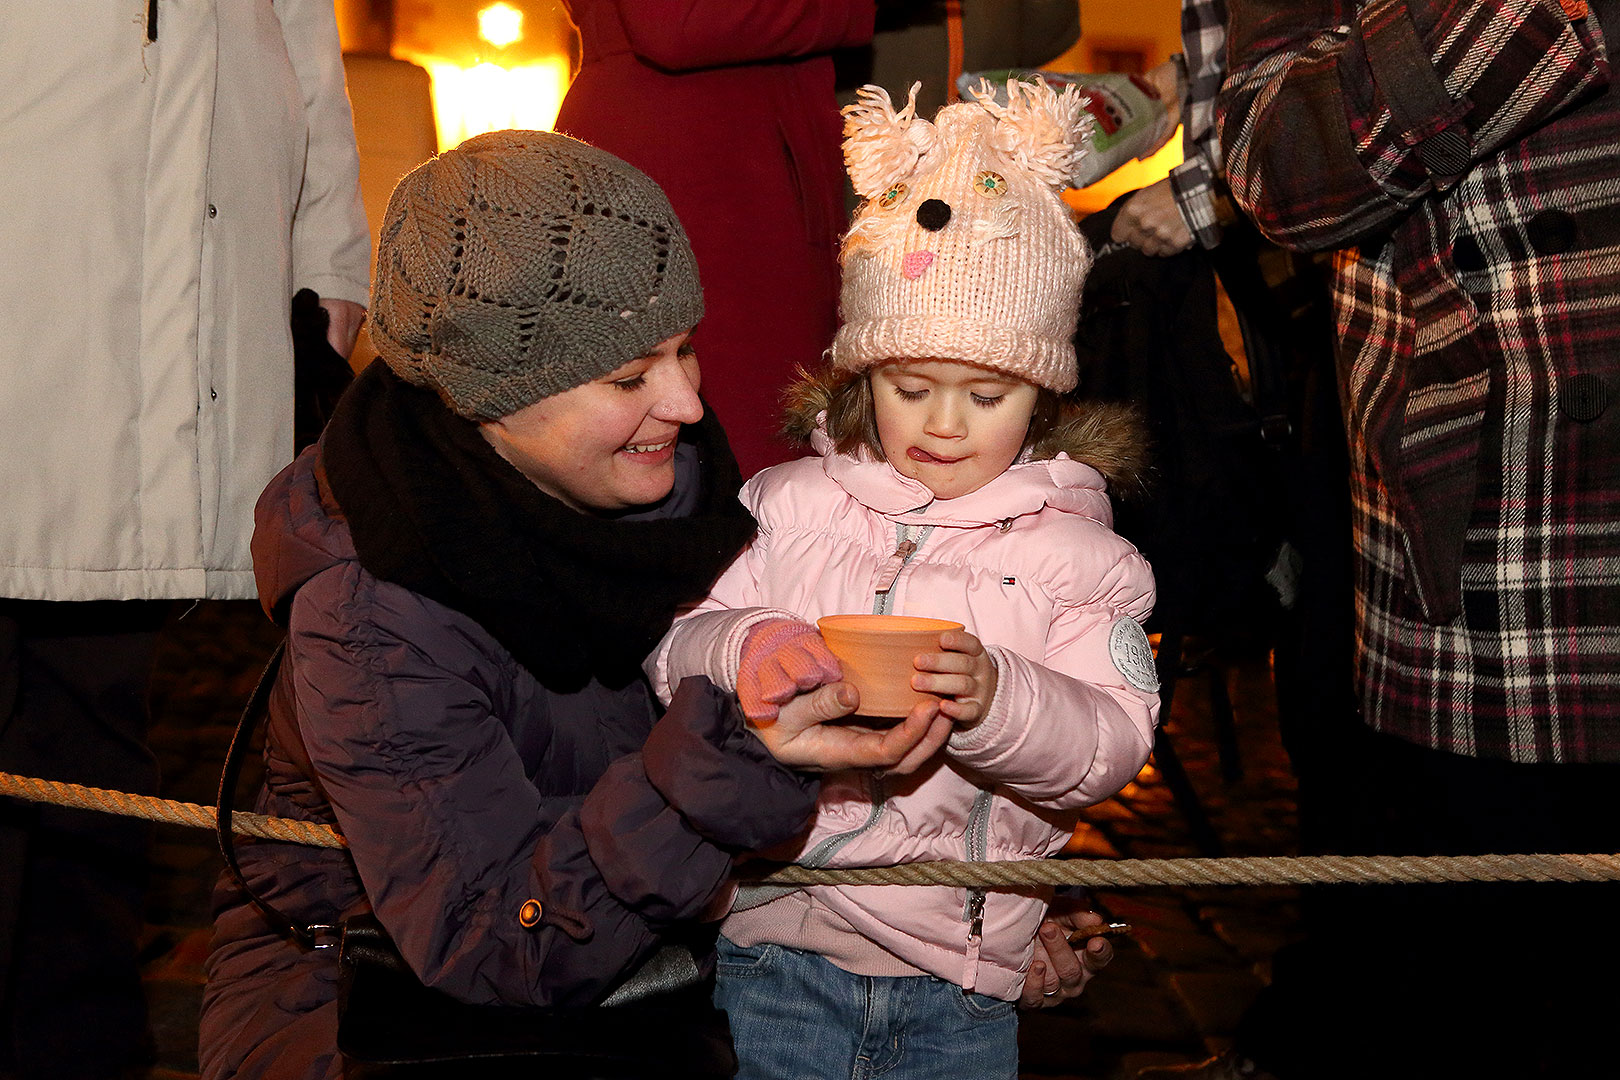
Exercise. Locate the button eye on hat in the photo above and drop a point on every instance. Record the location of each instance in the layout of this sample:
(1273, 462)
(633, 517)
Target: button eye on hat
(895, 193)
(990, 183)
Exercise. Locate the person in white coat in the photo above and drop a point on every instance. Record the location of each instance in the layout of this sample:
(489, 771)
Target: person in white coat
(171, 173)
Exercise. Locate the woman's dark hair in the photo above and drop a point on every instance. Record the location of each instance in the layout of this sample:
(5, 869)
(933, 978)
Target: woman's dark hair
(846, 398)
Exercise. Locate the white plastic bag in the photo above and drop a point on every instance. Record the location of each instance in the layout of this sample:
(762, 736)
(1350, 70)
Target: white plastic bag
(1132, 121)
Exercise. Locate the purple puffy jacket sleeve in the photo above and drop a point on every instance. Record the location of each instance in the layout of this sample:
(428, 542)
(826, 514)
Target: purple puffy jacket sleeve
(447, 831)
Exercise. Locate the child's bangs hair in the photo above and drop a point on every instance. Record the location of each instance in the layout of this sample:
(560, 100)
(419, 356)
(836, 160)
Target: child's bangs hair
(846, 398)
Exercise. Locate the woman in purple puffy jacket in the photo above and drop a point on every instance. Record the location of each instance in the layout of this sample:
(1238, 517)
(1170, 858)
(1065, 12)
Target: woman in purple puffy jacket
(496, 528)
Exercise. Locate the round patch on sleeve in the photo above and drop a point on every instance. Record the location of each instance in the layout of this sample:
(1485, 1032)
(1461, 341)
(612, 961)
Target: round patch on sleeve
(1129, 649)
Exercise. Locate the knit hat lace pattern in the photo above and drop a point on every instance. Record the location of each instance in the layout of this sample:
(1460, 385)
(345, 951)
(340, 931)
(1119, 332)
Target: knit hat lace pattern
(964, 249)
(522, 264)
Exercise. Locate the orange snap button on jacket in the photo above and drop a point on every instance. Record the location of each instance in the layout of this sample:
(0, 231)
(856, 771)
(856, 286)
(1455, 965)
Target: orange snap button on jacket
(529, 913)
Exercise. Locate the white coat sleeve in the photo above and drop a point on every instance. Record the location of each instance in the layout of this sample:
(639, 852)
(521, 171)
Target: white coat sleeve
(1074, 728)
(331, 245)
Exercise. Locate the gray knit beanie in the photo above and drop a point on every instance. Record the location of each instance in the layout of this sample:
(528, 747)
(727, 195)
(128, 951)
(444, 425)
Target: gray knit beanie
(525, 263)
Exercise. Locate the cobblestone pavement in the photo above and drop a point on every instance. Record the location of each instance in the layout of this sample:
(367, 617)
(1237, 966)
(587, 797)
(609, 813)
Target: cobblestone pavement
(1174, 992)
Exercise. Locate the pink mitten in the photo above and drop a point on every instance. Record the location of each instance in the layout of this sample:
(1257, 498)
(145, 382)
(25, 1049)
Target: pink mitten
(781, 658)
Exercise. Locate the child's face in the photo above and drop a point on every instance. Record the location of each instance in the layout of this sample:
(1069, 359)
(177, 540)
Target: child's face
(952, 427)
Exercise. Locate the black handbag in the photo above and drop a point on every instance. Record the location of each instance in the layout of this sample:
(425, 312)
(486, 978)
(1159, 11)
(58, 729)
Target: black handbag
(658, 1023)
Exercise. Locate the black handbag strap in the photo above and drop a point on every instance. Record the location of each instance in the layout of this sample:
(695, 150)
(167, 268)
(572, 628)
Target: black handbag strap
(308, 934)
(1236, 263)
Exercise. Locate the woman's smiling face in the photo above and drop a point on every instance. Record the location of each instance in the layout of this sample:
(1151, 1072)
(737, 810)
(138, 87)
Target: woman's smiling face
(950, 426)
(607, 445)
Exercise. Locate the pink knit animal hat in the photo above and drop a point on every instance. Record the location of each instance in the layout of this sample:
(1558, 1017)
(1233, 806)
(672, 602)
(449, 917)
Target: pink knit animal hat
(964, 249)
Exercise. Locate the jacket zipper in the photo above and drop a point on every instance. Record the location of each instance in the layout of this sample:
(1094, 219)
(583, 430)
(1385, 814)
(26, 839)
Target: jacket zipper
(908, 540)
(751, 896)
(976, 845)
(823, 852)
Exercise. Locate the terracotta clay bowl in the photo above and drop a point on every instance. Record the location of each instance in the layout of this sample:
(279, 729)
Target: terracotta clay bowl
(878, 654)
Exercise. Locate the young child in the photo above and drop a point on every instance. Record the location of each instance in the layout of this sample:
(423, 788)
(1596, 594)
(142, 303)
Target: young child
(947, 482)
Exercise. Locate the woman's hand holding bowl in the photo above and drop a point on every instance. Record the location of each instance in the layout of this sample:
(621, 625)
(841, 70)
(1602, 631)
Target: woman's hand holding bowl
(803, 738)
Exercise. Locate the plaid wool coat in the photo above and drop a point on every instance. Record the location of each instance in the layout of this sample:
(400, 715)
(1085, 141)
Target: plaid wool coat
(1463, 157)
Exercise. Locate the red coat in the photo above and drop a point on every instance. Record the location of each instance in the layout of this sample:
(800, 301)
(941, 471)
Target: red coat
(729, 106)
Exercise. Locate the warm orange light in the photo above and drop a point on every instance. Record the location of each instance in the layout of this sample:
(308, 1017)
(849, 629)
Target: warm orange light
(468, 101)
(500, 25)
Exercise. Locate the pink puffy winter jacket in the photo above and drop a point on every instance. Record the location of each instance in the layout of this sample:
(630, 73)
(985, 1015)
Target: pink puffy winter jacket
(1030, 564)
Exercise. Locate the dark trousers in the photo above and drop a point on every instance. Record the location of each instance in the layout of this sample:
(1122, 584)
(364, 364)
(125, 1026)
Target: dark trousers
(1461, 980)
(73, 682)
(1457, 980)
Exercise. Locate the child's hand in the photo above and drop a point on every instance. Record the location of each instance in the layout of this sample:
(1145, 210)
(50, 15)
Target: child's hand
(963, 674)
(781, 659)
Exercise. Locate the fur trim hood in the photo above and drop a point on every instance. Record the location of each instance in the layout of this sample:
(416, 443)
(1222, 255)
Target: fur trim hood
(1110, 437)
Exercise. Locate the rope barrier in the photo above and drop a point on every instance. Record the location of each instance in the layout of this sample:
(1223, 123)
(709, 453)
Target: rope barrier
(167, 810)
(1095, 873)
(1254, 870)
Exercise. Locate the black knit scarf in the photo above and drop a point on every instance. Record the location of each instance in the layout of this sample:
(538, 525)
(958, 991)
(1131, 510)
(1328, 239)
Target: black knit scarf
(434, 508)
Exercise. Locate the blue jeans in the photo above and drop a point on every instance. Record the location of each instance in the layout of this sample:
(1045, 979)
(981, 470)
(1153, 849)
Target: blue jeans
(795, 1016)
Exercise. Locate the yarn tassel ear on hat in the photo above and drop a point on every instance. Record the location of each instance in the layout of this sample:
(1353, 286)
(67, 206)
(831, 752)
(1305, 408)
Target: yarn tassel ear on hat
(881, 146)
(964, 249)
(1047, 132)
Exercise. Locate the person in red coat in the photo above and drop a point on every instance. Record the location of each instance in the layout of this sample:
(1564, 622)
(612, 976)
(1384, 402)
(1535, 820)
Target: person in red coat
(729, 106)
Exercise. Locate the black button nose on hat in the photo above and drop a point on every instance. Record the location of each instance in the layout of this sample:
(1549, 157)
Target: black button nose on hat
(934, 214)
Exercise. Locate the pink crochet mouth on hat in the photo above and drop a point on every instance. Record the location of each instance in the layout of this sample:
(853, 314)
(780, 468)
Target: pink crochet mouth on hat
(915, 262)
